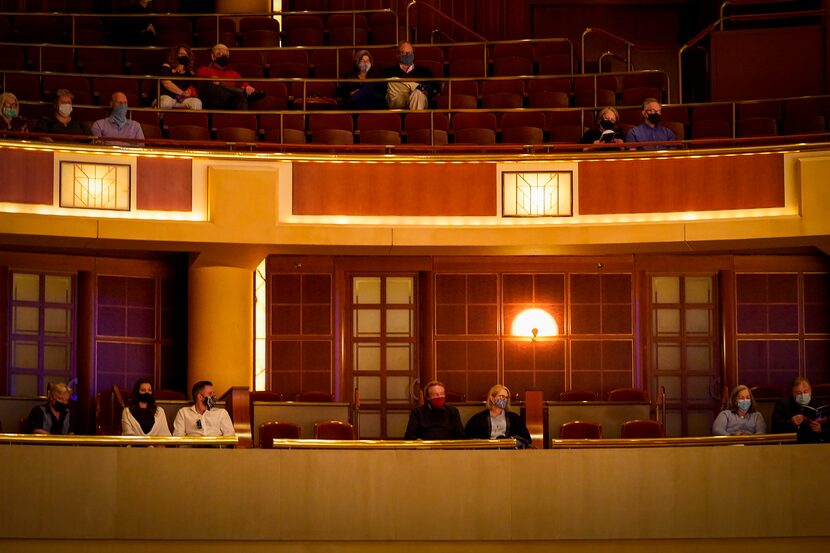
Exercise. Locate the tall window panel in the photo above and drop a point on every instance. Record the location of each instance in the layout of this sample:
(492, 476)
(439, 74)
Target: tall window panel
(684, 349)
(467, 332)
(383, 341)
(783, 327)
(42, 331)
(300, 337)
(539, 363)
(140, 325)
(601, 332)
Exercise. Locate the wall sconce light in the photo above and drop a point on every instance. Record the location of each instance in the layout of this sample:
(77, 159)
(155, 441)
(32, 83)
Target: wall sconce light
(534, 322)
(537, 193)
(95, 185)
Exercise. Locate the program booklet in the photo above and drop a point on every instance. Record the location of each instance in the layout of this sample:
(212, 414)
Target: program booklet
(818, 414)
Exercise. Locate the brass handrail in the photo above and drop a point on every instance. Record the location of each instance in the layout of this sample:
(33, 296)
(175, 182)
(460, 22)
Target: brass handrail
(757, 439)
(504, 443)
(48, 439)
(440, 14)
(628, 45)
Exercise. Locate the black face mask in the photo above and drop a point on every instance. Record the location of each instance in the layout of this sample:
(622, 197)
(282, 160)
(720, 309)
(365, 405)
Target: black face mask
(653, 118)
(607, 125)
(146, 398)
(60, 407)
(184, 60)
(222, 61)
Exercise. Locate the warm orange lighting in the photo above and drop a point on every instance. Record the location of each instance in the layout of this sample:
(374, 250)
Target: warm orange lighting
(534, 322)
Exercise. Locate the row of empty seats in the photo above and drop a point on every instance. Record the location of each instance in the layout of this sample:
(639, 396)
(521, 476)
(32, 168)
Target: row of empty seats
(323, 430)
(552, 57)
(379, 27)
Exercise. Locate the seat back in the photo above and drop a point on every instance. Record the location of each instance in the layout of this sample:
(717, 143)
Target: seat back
(108, 407)
(641, 428)
(318, 396)
(627, 394)
(578, 395)
(269, 431)
(580, 430)
(333, 430)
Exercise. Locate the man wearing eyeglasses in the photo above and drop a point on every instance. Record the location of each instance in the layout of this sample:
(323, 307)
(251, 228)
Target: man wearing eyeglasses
(203, 418)
(650, 130)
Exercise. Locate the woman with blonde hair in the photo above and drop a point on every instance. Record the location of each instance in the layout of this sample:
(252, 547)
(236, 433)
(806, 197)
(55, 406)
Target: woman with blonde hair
(497, 421)
(741, 416)
(53, 417)
(10, 119)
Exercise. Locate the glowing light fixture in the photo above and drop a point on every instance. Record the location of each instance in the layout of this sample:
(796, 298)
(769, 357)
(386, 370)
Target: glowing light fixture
(537, 194)
(95, 186)
(534, 322)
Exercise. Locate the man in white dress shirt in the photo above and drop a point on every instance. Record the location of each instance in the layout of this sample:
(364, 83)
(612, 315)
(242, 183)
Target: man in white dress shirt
(203, 418)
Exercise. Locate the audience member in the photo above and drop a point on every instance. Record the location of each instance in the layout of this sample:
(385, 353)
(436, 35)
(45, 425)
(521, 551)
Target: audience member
(143, 417)
(203, 418)
(357, 95)
(496, 421)
(606, 131)
(61, 121)
(435, 420)
(10, 119)
(650, 130)
(117, 125)
(228, 93)
(179, 91)
(741, 416)
(409, 93)
(54, 416)
(789, 413)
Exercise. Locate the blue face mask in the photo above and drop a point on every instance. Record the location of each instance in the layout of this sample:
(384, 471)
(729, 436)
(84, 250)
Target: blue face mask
(744, 404)
(501, 402)
(407, 59)
(119, 113)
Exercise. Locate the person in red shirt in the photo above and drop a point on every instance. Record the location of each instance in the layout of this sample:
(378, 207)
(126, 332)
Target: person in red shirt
(228, 93)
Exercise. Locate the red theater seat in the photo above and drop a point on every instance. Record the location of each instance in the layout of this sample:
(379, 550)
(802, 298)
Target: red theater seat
(426, 128)
(627, 394)
(580, 430)
(333, 430)
(641, 429)
(277, 430)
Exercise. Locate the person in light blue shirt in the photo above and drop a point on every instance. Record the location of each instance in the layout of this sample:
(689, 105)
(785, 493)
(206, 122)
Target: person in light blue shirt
(117, 125)
(741, 417)
(650, 130)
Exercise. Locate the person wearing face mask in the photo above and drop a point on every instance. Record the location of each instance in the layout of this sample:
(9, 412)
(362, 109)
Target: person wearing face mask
(788, 415)
(434, 420)
(117, 125)
(61, 120)
(54, 416)
(741, 416)
(496, 421)
(179, 91)
(405, 91)
(203, 418)
(362, 95)
(143, 417)
(10, 119)
(650, 130)
(227, 93)
(606, 131)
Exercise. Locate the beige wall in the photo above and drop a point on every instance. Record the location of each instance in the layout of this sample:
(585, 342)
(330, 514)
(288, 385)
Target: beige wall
(441, 497)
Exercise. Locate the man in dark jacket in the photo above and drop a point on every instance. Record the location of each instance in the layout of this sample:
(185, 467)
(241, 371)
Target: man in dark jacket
(405, 92)
(795, 413)
(434, 420)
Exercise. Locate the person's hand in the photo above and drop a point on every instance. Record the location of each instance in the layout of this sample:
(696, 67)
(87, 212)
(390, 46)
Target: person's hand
(39, 431)
(618, 141)
(597, 141)
(815, 426)
(797, 420)
(249, 90)
(185, 93)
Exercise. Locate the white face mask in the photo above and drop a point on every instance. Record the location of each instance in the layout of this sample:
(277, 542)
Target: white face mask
(65, 109)
(802, 399)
